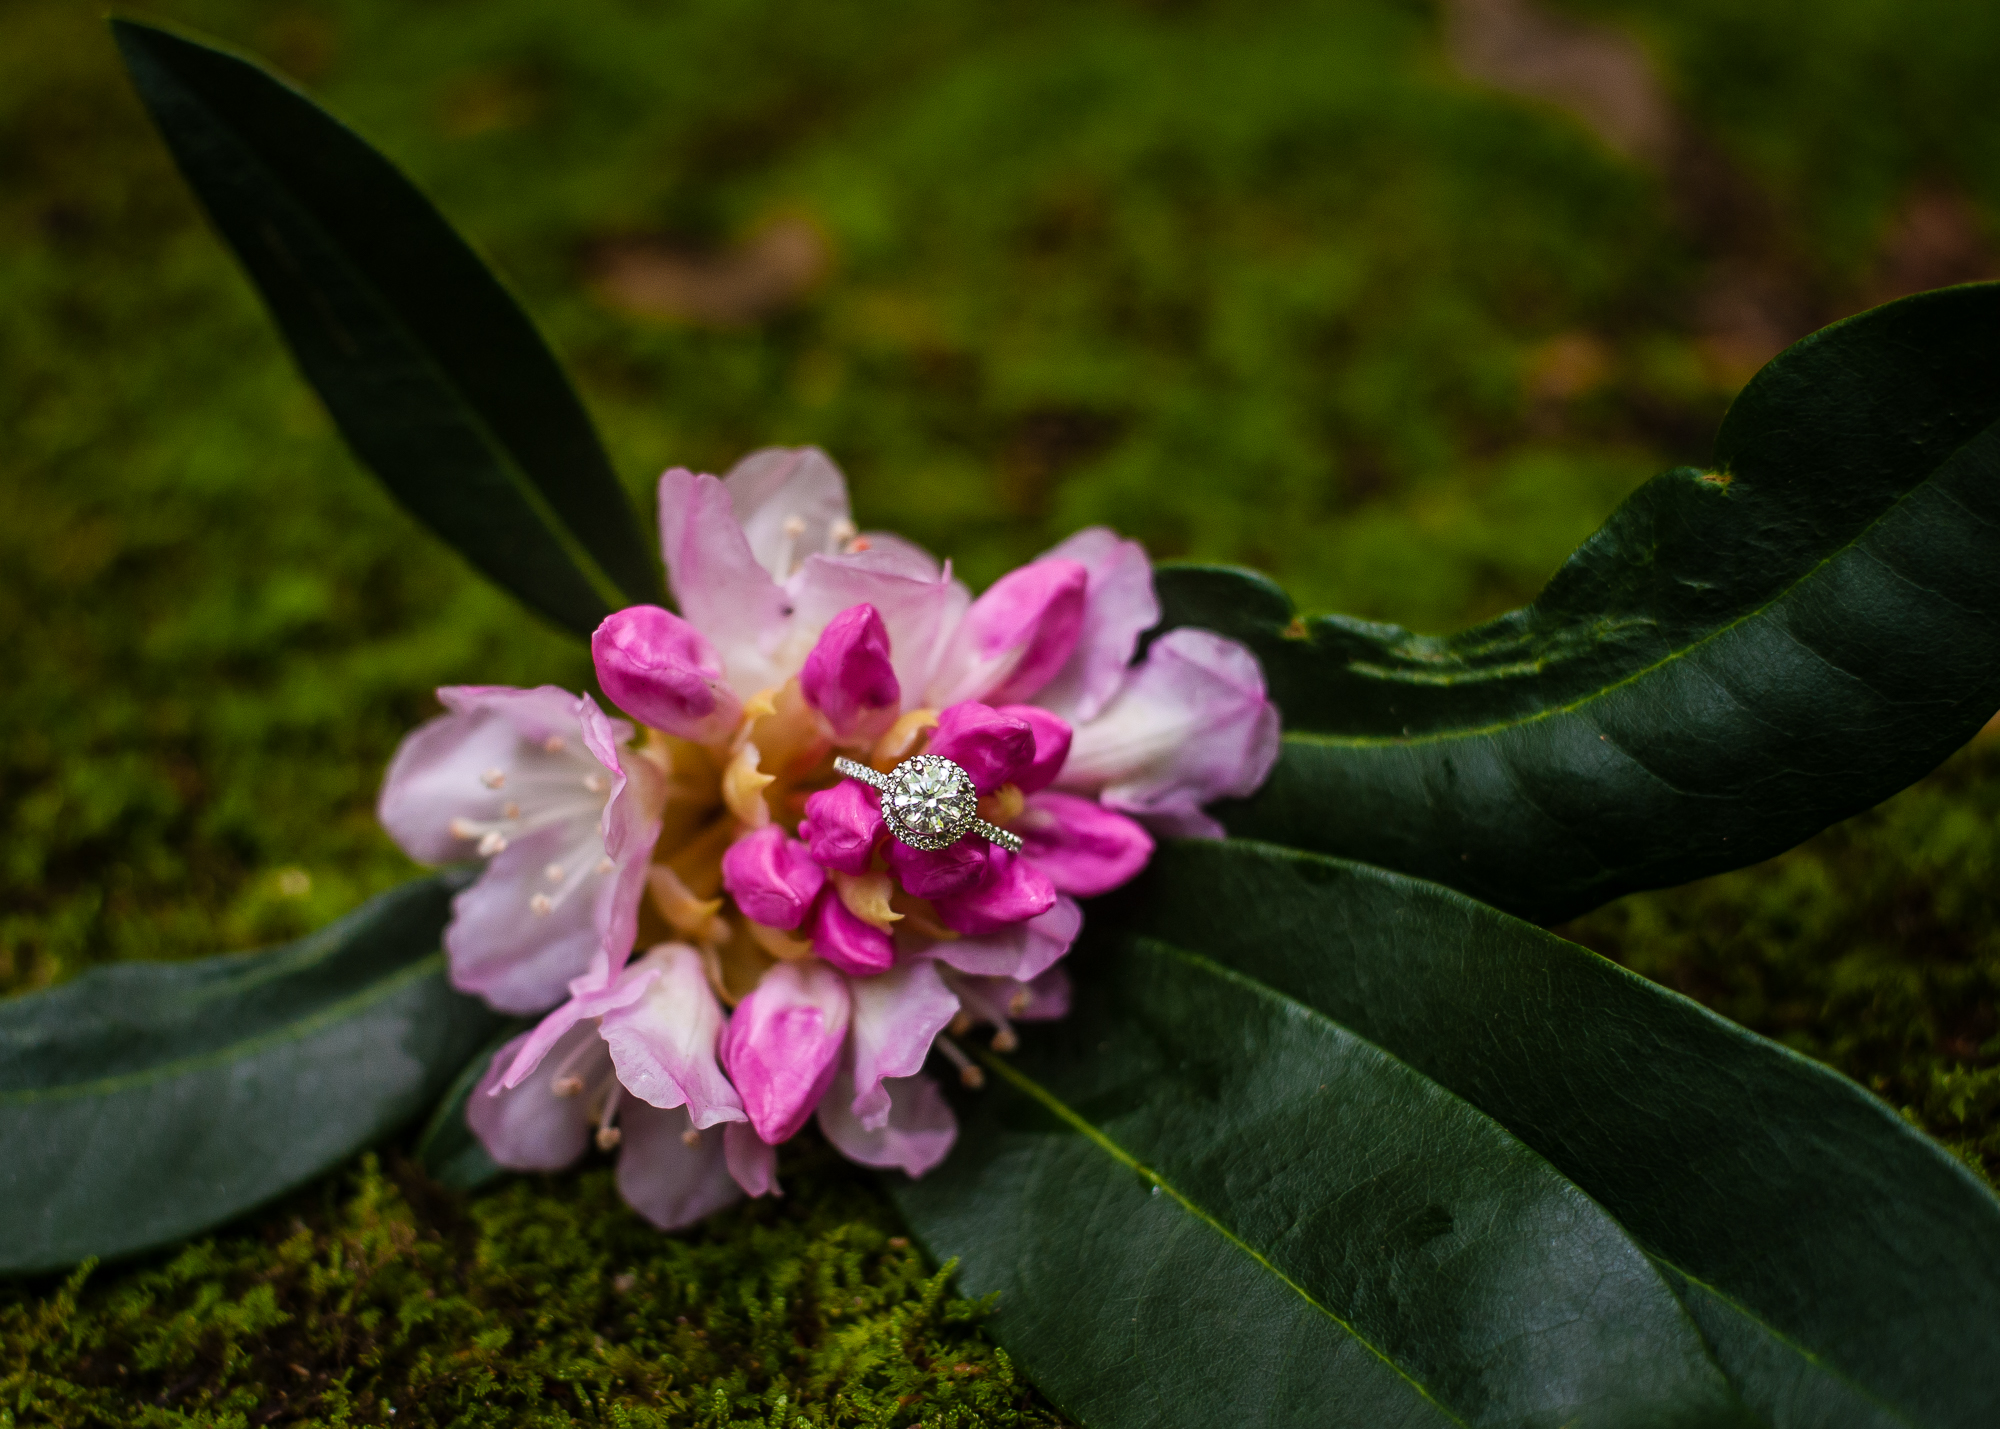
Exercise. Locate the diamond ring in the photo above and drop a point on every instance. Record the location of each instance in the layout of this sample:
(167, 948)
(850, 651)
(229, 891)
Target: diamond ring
(929, 802)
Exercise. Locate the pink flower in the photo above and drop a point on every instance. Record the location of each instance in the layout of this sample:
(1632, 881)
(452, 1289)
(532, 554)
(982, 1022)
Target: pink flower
(536, 782)
(848, 957)
(629, 1063)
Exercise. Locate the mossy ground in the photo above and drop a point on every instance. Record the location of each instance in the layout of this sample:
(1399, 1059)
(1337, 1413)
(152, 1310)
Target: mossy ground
(1264, 283)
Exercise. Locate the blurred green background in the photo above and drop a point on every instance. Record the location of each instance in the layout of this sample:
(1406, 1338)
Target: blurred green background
(1395, 300)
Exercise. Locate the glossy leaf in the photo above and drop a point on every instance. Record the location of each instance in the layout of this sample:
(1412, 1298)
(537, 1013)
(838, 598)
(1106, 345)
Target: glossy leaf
(1845, 1268)
(145, 1102)
(433, 373)
(1739, 657)
(1203, 1203)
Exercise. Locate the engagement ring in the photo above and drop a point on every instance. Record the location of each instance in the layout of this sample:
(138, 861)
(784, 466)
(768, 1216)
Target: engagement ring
(929, 803)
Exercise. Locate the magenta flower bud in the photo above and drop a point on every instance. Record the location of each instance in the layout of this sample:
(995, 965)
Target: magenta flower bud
(1025, 627)
(1014, 889)
(848, 678)
(772, 877)
(842, 825)
(992, 747)
(1084, 848)
(936, 873)
(782, 1045)
(855, 947)
(663, 672)
(1052, 740)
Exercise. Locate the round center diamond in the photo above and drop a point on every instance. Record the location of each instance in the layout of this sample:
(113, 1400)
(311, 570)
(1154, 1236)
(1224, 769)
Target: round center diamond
(929, 802)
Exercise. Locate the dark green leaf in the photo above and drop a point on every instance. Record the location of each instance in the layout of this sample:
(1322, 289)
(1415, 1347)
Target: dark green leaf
(1203, 1203)
(434, 374)
(448, 1149)
(1846, 1269)
(1738, 658)
(144, 1102)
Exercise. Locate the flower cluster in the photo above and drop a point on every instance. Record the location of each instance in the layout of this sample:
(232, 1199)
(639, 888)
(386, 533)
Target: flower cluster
(802, 962)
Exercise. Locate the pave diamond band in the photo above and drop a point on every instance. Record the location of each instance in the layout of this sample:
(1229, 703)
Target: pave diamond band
(929, 802)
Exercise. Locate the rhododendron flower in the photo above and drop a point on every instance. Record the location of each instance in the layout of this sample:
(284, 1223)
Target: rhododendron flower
(998, 760)
(539, 782)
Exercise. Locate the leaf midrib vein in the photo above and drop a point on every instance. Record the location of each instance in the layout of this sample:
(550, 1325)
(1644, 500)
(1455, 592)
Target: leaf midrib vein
(1023, 1083)
(233, 1051)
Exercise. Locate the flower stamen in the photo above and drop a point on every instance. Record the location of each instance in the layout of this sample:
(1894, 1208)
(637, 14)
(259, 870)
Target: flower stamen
(969, 1074)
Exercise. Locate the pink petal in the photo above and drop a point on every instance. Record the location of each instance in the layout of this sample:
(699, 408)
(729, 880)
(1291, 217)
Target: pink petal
(663, 1043)
(630, 826)
(1018, 634)
(915, 1137)
(753, 1162)
(1118, 607)
(992, 747)
(443, 770)
(664, 673)
(856, 948)
(529, 1128)
(669, 1182)
(1048, 997)
(717, 581)
(920, 606)
(896, 1018)
(1083, 847)
(1191, 725)
(772, 877)
(1021, 950)
(782, 1045)
(552, 1030)
(791, 502)
(842, 825)
(1014, 891)
(1052, 739)
(501, 949)
(848, 678)
(936, 873)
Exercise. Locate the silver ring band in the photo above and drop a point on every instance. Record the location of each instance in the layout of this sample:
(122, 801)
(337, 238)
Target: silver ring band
(950, 809)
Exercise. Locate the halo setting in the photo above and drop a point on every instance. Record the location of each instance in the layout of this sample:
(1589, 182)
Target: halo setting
(929, 802)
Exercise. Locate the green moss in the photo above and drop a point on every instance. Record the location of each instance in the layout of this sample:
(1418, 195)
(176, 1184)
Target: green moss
(377, 1299)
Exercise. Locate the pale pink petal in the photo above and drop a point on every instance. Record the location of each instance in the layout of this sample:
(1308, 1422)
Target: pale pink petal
(717, 582)
(851, 945)
(921, 612)
(791, 503)
(782, 1045)
(530, 1128)
(753, 1162)
(664, 673)
(1191, 725)
(1119, 607)
(662, 1177)
(663, 1044)
(1021, 950)
(915, 1137)
(842, 825)
(896, 1018)
(502, 948)
(936, 873)
(772, 877)
(629, 827)
(1017, 635)
(992, 747)
(1052, 739)
(1084, 848)
(582, 1005)
(1048, 997)
(848, 677)
(1013, 891)
(458, 769)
